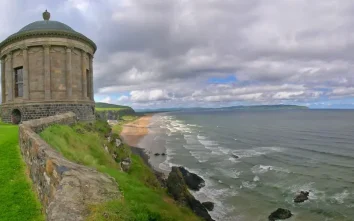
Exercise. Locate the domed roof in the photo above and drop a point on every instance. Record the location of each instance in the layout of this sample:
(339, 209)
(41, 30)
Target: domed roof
(47, 28)
(46, 25)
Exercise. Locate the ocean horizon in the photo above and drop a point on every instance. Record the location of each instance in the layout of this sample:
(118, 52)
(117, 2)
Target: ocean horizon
(255, 161)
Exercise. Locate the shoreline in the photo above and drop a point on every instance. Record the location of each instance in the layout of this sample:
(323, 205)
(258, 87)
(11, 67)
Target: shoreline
(133, 132)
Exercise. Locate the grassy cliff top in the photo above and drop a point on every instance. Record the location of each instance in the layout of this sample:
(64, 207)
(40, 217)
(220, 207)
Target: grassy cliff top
(124, 110)
(144, 199)
(100, 105)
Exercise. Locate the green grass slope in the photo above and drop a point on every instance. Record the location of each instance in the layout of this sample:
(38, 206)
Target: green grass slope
(106, 105)
(144, 199)
(114, 107)
(17, 200)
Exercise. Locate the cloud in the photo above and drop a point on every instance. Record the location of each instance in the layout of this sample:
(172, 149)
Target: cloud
(160, 53)
(123, 98)
(106, 100)
(342, 92)
(146, 96)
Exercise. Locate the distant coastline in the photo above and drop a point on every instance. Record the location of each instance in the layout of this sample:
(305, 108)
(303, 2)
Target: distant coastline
(251, 107)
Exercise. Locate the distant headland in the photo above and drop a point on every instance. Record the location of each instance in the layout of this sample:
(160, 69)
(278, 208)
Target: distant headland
(242, 107)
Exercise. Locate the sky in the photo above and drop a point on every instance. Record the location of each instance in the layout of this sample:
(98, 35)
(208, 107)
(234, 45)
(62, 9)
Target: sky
(209, 53)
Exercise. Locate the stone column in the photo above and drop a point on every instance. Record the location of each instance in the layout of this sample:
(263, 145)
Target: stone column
(84, 80)
(47, 92)
(25, 74)
(9, 77)
(69, 80)
(3, 91)
(91, 77)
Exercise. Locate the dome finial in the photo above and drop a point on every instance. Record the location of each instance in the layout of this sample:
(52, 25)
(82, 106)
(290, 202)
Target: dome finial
(46, 15)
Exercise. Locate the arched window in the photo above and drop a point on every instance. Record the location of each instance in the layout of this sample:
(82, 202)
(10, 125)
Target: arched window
(19, 82)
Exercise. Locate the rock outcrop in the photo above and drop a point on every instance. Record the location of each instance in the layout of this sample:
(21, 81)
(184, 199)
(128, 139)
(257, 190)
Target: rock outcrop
(208, 205)
(279, 214)
(126, 164)
(301, 197)
(65, 189)
(177, 187)
(193, 181)
(235, 156)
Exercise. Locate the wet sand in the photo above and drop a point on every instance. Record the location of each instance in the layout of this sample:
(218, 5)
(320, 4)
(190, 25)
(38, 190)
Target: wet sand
(133, 132)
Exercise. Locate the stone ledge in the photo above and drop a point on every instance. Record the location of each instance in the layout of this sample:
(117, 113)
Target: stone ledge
(40, 124)
(65, 189)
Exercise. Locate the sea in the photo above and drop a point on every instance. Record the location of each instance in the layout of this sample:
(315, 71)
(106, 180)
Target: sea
(255, 161)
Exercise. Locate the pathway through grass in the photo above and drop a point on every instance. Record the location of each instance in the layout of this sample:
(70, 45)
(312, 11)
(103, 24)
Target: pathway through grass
(17, 200)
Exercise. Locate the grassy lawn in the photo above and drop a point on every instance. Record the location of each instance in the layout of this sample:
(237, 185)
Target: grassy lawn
(17, 200)
(144, 199)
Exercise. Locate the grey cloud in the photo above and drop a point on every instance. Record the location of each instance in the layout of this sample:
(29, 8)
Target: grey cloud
(175, 46)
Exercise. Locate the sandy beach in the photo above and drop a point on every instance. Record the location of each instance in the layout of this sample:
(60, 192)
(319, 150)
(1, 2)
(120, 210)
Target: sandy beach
(133, 132)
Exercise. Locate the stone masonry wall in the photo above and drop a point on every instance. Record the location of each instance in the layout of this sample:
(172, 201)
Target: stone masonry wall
(53, 69)
(84, 112)
(65, 189)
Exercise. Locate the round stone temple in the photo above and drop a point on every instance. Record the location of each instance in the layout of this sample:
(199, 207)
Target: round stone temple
(46, 69)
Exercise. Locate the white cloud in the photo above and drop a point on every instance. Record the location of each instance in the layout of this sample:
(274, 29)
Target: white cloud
(106, 100)
(287, 95)
(152, 95)
(123, 98)
(343, 91)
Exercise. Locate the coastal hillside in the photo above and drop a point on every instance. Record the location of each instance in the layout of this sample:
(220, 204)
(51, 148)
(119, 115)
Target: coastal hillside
(101, 105)
(113, 111)
(144, 199)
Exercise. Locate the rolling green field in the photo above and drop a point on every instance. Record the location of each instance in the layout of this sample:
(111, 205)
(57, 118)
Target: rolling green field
(17, 200)
(144, 199)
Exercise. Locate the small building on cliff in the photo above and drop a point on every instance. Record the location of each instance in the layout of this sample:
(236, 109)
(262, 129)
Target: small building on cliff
(46, 69)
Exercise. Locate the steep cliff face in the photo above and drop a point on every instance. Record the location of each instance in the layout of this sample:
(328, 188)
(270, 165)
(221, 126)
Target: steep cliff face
(112, 112)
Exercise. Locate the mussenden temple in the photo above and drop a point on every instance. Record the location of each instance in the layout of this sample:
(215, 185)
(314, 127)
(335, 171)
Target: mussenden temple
(46, 69)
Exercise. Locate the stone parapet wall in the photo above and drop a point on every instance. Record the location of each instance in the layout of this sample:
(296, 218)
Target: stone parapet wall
(39, 125)
(65, 189)
(83, 111)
